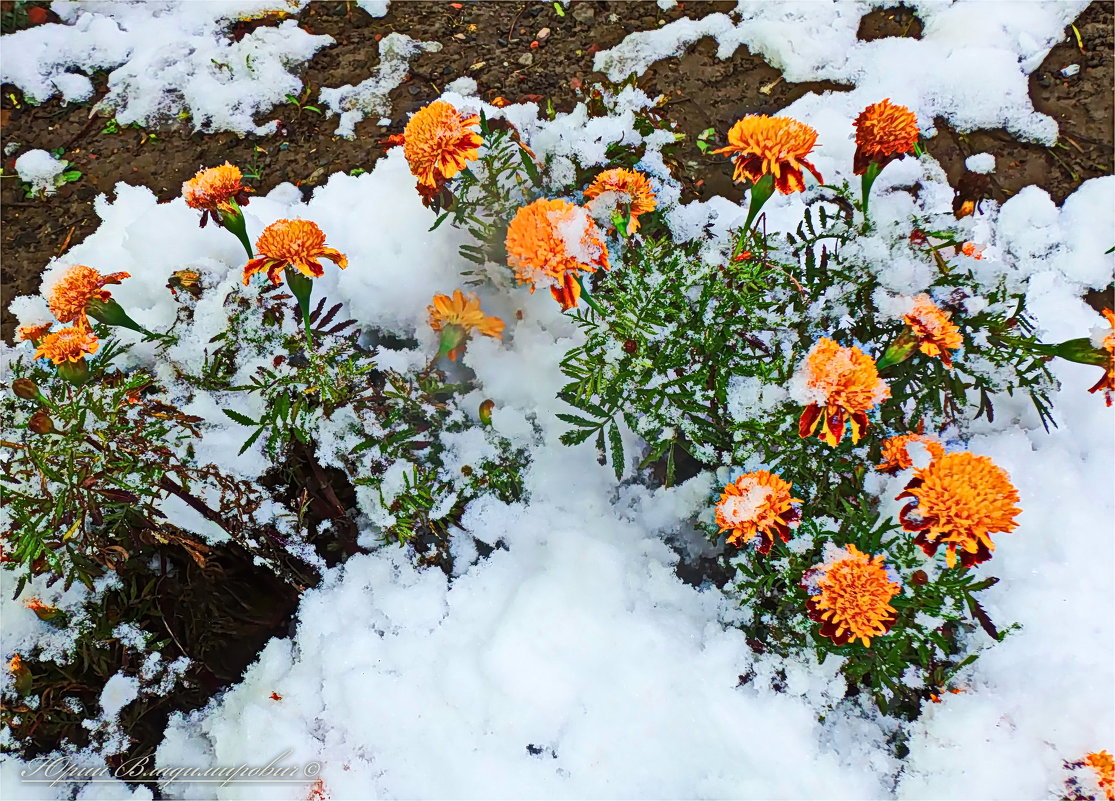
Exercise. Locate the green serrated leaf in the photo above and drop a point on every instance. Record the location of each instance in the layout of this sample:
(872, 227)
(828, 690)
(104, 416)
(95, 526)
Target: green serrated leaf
(616, 442)
(242, 419)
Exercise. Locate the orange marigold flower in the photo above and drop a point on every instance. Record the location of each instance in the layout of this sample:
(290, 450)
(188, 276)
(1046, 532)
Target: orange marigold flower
(777, 146)
(959, 500)
(633, 190)
(71, 294)
(33, 333)
(214, 190)
(896, 457)
(757, 503)
(15, 665)
(935, 332)
(460, 315)
(853, 594)
(838, 384)
(295, 243)
(438, 142)
(553, 240)
(68, 345)
(1105, 338)
(884, 132)
(972, 249)
(1104, 766)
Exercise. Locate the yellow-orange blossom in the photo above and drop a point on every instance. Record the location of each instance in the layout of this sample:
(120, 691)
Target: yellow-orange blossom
(438, 143)
(884, 132)
(853, 602)
(296, 243)
(537, 247)
(76, 289)
(626, 183)
(757, 503)
(959, 500)
(464, 312)
(775, 146)
(845, 384)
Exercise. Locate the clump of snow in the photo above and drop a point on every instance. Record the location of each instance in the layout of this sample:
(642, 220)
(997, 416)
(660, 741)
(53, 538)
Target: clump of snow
(354, 103)
(376, 8)
(40, 169)
(165, 59)
(1001, 43)
(983, 163)
(743, 507)
(573, 228)
(118, 692)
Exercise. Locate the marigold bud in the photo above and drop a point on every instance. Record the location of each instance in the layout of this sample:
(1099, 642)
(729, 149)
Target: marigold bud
(486, 411)
(25, 388)
(40, 423)
(920, 578)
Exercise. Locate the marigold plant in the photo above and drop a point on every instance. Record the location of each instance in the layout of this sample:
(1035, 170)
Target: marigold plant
(959, 500)
(776, 146)
(843, 385)
(757, 503)
(1105, 339)
(853, 595)
(1104, 766)
(70, 344)
(292, 243)
(215, 190)
(552, 241)
(935, 332)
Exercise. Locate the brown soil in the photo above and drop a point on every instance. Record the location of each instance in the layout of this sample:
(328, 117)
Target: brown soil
(487, 40)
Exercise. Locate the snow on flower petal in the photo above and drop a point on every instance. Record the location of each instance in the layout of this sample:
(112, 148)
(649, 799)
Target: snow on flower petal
(553, 240)
(838, 385)
(936, 333)
(630, 188)
(896, 456)
(757, 503)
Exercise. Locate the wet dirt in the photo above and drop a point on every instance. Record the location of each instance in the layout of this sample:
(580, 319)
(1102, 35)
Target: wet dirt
(491, 42)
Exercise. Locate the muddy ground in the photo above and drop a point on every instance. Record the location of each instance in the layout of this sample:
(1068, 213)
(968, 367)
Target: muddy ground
(491, 42)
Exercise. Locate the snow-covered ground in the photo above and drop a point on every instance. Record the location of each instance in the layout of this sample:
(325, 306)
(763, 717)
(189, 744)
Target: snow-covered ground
(573, 662)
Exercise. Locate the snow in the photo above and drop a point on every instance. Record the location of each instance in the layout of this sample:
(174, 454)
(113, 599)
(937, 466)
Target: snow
(571, 661)
(40, 169)
(1000, 42)
(369, 97)
(119, 691)
(165, 59)
(983, 163)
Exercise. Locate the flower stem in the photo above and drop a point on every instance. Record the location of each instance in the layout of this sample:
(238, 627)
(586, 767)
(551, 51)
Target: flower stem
(233, 220)
(869, 176)
(302, 287)
(587, 297)
(761, 191)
